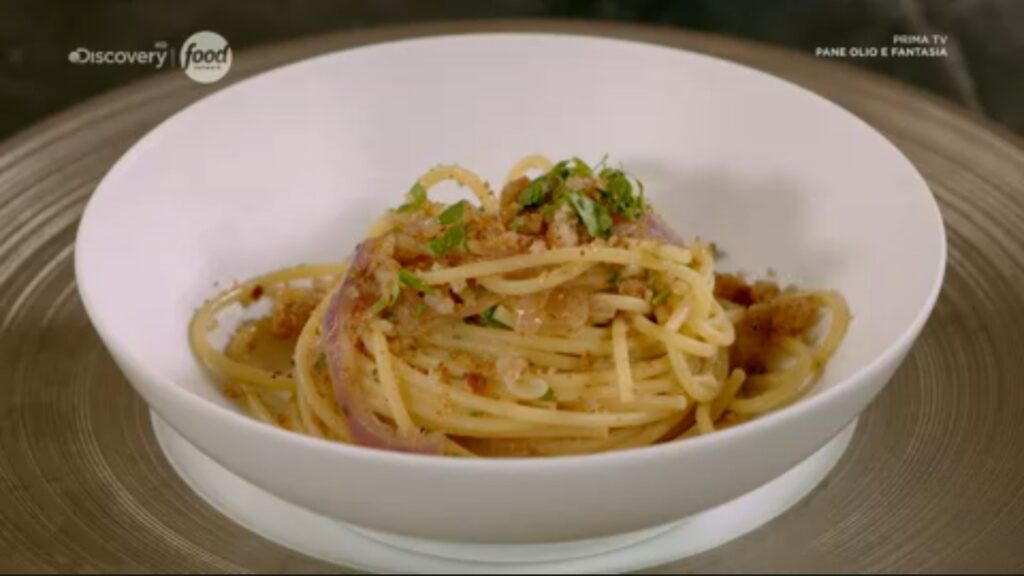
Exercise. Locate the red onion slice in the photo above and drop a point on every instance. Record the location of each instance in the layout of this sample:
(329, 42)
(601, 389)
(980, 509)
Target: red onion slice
(340, 348)
(650, 226)
(659, 229)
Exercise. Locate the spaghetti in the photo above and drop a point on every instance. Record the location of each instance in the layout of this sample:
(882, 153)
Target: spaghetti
(559, 317)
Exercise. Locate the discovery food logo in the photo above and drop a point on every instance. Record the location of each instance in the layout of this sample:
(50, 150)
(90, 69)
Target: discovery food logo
(205, 57)
(158, 56)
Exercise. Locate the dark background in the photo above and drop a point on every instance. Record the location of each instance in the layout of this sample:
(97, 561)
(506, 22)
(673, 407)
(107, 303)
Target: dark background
(984, 71)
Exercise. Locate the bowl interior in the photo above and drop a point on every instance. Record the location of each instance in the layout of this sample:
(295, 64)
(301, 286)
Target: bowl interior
(293, 165)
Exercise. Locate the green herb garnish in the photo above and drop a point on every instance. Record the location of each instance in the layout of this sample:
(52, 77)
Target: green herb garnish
(387, 299)
(516, 224)
(537, 190)
(615, 277)
(453, 214)
(488, 319)
(578, 167)
(415, 199)
(420, 307)
(618, 192)
(549, 396)
(593, 215)
(531, 195)
(413, 281)
(454, 237)
(378, 306)
(551, 185)
(659, 296)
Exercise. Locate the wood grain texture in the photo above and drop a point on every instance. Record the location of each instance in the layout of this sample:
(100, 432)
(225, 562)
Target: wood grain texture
(934, 480)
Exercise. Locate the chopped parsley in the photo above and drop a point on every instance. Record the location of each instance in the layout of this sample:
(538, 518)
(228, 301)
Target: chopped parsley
(378, 306)
(539, 189)
(659, 296)
(487, 318)
(610, 193)
(577, 167)
(618, 193)
(548, 210)
(454, 237)
(413, 281)
(415, 199)
(550, 187)
(453, 214)
(615, 277)
(593, 215)
(516, 224)
(387, 299)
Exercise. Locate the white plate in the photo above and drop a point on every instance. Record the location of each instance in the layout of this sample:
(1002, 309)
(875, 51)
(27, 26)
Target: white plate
(344, 544)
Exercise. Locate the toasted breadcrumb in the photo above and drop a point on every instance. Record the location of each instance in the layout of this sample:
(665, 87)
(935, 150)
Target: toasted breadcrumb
(291, 310)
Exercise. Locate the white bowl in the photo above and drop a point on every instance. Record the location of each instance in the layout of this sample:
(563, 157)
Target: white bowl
(292, 165)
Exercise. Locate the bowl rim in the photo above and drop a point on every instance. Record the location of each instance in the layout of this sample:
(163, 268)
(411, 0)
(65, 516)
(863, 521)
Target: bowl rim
(890, 355)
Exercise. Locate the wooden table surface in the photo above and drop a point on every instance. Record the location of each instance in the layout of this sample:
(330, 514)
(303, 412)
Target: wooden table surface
(934, 479)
